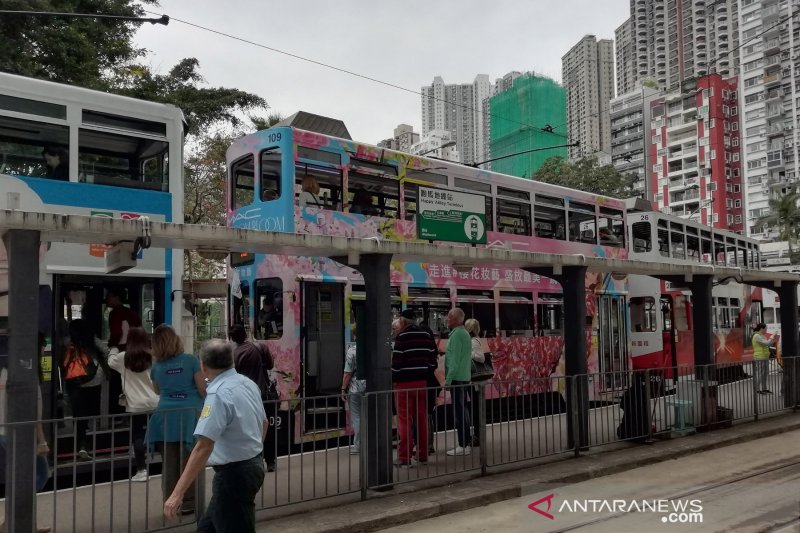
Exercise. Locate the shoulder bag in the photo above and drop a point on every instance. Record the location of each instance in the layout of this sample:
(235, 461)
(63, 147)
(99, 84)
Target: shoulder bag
(482, 371)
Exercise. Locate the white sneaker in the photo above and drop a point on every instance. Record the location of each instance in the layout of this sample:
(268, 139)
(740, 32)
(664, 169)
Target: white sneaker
(458, 450)
(140, 476)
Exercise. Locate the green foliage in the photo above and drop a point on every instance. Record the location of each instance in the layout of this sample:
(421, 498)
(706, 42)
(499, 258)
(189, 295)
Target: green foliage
(784, 216)
(181, 86)
(69, 50)
(586, 174)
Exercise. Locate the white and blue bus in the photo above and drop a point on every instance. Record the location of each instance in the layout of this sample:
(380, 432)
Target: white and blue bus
(69, 150)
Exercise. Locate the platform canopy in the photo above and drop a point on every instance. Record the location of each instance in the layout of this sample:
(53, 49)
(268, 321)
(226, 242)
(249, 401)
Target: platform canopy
(220, 239)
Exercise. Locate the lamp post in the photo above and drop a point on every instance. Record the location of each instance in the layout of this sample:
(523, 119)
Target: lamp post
(448, 144)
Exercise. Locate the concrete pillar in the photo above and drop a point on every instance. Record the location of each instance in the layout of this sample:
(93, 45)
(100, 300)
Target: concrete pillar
(573, 285)
(22, 247)
(789, 343)
(377, 367)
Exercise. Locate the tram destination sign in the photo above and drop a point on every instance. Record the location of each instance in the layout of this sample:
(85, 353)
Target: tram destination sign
(451, 216)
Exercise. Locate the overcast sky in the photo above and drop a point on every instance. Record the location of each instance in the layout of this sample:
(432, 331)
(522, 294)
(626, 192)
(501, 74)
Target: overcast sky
(404, 43)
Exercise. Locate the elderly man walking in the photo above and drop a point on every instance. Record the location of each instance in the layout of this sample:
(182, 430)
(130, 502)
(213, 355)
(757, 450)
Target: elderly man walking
(458, 370)
(230, 436)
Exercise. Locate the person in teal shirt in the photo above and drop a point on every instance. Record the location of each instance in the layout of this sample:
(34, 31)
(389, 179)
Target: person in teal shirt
(181, 388)
(458, 371)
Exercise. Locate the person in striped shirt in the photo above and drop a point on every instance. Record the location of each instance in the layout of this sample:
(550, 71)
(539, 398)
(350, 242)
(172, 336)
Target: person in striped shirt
(414, 359)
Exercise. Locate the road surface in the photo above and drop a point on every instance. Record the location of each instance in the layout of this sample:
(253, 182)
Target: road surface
(752, 487)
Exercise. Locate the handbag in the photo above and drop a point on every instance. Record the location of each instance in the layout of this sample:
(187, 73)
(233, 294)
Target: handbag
(123, 399)
(482, 371)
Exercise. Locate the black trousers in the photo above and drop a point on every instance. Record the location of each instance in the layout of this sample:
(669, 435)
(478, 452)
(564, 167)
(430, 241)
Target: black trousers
(233, 492)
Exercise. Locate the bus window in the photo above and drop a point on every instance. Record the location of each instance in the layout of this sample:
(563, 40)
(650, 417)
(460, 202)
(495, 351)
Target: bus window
(550, 315)
(329, 181)
(36, 149)
(516, 314)
(642, 237)
(582, 223)
(270, 174)
(479, 305)
(121, 160)
(611, 227)
(549, 218)
(242, 182)
(513, 216)
(643, 314)
(269, 314)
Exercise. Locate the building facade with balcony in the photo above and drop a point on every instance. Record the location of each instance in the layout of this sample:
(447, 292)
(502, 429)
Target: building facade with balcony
(630, 136)
(695, 153)
(769, 100)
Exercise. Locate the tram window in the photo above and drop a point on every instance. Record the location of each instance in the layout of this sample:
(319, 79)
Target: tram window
(677, 245)
(321, 156)
(582, 223)
(513, 217)
(549, 218)
(516, 314)
(642, 239)
(474, 186)
(663, 238)
(242, 182)
(122, 160)
(269, 314)
(550, 315)
(719, 250)
(23, 144)
(705, 247)
(329, 181)
(479, 305)
(682, 304)
(611, 227)
(769, 315)
(411, 188)
(271, 174)
(643, 314)
(32, 107)
(373, 195)
(693, 247)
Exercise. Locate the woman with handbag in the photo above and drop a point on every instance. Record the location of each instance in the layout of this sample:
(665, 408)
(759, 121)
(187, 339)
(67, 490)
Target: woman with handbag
(481, 370)
(138, 397)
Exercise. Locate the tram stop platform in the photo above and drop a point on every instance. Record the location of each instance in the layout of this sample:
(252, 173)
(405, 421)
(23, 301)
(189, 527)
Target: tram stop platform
(412, 502)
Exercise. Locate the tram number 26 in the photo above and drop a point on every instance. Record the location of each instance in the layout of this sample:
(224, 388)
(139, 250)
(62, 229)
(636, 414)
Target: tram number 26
(644, 218)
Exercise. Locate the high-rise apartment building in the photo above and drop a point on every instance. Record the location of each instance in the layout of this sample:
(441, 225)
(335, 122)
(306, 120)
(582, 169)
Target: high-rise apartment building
(630, 136)
(456, 108)
(403, 139)
(695, 153)
(588, 77)
(531, 103)
(625, 50)
(768, 97)
(676, 40)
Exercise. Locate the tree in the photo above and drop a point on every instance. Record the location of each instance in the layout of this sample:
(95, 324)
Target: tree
(586, 174)
(80, 51)
(784, 216)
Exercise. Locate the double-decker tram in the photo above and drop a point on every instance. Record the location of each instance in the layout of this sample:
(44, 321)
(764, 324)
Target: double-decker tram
(661, 312)
(290, 180)
(70, 150)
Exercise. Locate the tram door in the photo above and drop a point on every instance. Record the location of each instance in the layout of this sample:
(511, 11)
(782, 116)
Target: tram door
(323, 337)
(612, 341)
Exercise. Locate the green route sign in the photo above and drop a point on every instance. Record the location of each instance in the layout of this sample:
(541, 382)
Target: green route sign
(451, 216)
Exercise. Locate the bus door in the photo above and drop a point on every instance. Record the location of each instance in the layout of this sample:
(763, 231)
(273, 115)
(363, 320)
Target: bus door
(323, 337)
(612, 341)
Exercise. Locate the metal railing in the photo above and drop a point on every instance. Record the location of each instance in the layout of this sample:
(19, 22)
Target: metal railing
(504, 422)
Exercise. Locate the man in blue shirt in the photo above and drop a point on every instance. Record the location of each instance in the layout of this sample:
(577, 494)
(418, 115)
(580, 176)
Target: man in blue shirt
(230, 436)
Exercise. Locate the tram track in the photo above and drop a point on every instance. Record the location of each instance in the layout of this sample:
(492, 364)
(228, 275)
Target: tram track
(785, 527)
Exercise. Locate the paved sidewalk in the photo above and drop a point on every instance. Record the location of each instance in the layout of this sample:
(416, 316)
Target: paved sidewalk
(412, 502)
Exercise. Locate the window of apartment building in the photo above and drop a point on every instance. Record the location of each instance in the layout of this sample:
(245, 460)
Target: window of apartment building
(752, 65)
(737, 204)
(756, 146)
(735, 142)
(734, 111)
(712, 154)
(737, 188)
(755, 80)
(730, 219)
(752, 32)
(753, 98)
(756, 163)
(735, 157)
(737, 219)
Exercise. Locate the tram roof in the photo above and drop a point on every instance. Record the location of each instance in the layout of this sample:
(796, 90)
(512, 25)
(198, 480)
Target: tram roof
(97, 230)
